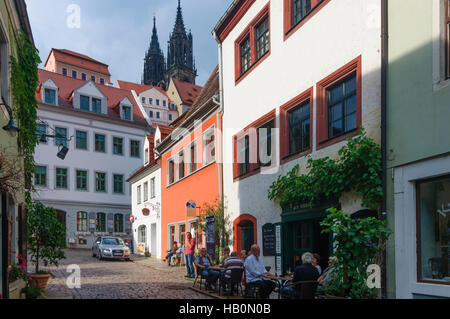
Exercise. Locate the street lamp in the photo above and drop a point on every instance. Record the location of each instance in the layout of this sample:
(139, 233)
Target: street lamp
(11, 127)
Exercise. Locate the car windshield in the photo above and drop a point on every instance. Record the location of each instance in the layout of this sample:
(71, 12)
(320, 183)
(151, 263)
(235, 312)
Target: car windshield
(112, 241)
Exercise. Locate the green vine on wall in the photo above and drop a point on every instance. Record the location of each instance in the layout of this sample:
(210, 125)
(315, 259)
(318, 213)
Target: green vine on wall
(24, 81)
(358, 168)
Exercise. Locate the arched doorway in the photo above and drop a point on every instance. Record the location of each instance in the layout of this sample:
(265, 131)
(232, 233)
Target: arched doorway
(244, 232)
(61, 215)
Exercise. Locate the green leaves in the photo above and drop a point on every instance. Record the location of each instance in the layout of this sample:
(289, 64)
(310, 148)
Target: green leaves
(24, 81)
(46, 235)
(357, 243)
(358, 168)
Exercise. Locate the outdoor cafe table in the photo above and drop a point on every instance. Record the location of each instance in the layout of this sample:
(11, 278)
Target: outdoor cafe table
(220, 270)
(279, 281)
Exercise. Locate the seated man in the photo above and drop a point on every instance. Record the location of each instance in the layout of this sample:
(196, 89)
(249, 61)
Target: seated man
(305, 272)
(328, 276)
(171, 252)
(176, 258)
(256, 273)
(232, 262)
(203, 261)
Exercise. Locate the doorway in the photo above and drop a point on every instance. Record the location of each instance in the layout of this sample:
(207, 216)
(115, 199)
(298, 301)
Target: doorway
(61, 215)
(247, 235)
(153, 240)
(305, 236)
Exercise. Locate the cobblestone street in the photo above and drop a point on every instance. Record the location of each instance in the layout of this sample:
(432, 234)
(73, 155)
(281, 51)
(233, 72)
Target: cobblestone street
(144, 278)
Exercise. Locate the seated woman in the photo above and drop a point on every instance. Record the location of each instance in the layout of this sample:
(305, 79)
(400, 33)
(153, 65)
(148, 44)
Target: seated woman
(171, 252)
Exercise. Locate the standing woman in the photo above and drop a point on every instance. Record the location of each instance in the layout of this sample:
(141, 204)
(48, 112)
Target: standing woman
(189, 253)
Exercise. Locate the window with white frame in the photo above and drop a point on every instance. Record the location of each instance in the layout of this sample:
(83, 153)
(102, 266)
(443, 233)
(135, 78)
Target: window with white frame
(181, 165)
(209, 147)
(152, 188)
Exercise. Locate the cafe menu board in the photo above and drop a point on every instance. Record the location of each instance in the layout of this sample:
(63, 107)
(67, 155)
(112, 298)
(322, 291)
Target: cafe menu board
(268, 234)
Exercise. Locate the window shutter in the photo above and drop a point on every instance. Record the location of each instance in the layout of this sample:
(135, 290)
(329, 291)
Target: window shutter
(127, 223)
(92, 222)
(235, 158)
(110, 222)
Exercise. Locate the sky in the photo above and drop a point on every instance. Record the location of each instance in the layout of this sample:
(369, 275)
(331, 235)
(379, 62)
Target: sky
(118, 32)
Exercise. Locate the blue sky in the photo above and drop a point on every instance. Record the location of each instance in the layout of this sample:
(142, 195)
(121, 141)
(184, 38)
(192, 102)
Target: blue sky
(118, 32)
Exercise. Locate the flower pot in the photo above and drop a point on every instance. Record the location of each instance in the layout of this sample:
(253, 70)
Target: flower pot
(333, 297)
(39, 280)
(15, 288)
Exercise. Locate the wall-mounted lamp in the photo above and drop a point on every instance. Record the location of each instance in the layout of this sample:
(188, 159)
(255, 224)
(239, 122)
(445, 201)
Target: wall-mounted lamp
(62, 149)
(11, 127)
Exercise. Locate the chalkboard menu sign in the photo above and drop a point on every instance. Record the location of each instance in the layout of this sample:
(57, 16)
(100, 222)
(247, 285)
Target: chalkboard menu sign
(268, 235)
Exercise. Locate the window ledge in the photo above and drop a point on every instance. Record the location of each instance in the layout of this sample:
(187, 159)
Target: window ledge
(337, 139)
(294, 156)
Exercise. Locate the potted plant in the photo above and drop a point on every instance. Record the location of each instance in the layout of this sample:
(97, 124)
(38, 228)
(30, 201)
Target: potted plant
(31, 292)
(147, 254)
(17, 278)
(46, 241)
(358, 244)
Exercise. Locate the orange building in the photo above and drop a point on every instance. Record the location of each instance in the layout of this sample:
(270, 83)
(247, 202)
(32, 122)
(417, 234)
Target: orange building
(189, 167)
(77, 66)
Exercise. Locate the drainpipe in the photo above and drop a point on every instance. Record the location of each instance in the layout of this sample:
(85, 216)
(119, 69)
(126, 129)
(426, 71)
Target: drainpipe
(384, 66)
(220, 120)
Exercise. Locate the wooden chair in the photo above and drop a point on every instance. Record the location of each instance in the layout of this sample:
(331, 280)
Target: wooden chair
(199, 276)
(307, 289)
(235, 280)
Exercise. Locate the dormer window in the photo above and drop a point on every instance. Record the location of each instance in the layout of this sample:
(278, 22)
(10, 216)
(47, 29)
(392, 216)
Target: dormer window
(84, 103)
(50, 96)
(146, 158)
(126, 113)
(49, 92)
(97, 106)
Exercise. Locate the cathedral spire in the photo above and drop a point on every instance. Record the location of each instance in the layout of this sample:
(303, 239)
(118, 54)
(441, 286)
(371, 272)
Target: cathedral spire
(179, 23)
(154, 65)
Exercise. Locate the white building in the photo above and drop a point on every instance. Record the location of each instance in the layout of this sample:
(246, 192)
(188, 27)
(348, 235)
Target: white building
(146, 203)
(104, 131)
(153, 101)
(279, 63)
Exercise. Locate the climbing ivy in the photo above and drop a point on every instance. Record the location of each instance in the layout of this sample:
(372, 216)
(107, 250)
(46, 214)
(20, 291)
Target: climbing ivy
(24, 81)
(358, 168)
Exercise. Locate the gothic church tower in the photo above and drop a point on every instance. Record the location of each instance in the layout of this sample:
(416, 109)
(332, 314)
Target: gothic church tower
(154, 65)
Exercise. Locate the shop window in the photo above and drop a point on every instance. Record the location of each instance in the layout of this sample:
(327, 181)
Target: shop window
(100, 225)
(433, 230)
(118, 223)
(82, 222)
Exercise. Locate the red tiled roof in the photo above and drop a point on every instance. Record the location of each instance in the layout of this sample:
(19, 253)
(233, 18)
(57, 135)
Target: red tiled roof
(208, 91)
(66, 86)
(79, 60)
(165, 130)
(188, 91)
(139, 88)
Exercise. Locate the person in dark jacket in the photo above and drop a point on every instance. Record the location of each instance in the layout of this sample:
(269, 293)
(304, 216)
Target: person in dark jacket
(305, 272)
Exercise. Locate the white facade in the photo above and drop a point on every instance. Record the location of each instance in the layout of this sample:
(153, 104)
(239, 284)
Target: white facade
(156, 107)
(337, 34)
(147, 227)
(72, 200)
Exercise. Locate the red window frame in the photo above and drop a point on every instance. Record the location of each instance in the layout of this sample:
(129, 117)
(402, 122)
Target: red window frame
(322, 105)
(251, 131)
(250, 31)
(289, 28)
(284, 125)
